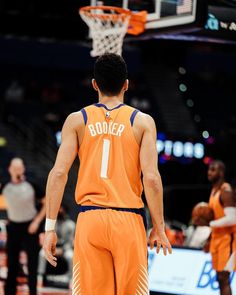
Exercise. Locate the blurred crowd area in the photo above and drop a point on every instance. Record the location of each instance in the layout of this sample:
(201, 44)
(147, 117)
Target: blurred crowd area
(43, 98)
(51, 96)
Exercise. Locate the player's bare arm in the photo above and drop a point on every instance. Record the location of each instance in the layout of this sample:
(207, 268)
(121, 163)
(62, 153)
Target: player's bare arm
(228, 202)
(227, 197)
(71, 136)
(152, 181)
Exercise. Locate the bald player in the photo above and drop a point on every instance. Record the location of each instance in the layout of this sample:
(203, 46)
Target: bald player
(223, 237)
(115, 143)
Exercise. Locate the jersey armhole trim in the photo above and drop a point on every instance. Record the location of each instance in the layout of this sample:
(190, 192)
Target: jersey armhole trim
(132, 117)
(84, 116)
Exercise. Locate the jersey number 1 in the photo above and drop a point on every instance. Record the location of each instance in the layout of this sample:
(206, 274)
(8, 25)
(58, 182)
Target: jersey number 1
(105, 157)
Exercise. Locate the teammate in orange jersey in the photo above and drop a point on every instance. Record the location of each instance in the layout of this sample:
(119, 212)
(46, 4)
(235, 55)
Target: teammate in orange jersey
(223, 237)
(115, 143)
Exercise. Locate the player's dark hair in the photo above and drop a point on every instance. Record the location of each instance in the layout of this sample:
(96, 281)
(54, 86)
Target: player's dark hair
(220, 164)
(110, 73)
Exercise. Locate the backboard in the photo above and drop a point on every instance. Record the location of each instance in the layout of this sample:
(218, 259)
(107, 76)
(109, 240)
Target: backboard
(163, 14)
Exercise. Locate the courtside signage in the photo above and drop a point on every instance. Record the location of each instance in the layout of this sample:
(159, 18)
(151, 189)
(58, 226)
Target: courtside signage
(185, 272)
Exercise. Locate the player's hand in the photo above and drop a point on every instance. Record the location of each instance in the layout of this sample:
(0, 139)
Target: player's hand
(159, 238)
(49, 247)
(33, 227)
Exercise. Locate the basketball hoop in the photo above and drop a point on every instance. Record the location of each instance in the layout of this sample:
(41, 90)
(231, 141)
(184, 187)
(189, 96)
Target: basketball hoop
(108, 26)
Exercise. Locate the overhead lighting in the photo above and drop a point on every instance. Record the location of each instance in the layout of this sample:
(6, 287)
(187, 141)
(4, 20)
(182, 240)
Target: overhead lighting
(190, 103)
(205, 134)
(182, 87)
(182, 71)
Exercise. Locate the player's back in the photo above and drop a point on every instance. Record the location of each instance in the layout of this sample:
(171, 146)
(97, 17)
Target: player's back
(110, 173)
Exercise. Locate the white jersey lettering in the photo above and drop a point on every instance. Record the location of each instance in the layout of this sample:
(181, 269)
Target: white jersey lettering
(92, 130)
(120, 130)
(106, 128)
(114, 126)
(99, 128)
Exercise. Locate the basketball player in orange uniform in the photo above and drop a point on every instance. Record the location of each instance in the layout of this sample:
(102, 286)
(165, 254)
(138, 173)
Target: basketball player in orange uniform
(115, 143)
(223, 236)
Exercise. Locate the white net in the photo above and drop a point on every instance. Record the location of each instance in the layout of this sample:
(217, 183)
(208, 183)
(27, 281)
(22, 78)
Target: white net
(108, 26)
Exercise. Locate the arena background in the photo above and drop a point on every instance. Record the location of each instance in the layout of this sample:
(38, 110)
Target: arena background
(185, 80)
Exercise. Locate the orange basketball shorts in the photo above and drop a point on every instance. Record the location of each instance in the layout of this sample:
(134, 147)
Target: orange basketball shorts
(221, 248)
(110, 254)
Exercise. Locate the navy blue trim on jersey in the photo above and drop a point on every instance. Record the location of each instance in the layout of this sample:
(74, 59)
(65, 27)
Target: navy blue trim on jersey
(85, 116)
(132, 117)
(139, 211)
(101, 105)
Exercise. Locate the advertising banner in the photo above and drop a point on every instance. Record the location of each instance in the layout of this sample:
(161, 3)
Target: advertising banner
(185, 272)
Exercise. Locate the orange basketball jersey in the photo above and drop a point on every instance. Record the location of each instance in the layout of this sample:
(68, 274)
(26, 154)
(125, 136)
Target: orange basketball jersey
(110, 173)
(218, 209)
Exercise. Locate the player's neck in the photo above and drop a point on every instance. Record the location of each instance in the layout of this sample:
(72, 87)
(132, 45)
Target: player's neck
(216, 185)
(111, 101)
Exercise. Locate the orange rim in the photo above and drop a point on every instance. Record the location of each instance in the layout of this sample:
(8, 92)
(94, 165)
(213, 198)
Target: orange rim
(122, 12)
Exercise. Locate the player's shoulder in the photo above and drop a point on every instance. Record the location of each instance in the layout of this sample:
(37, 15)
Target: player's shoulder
(145, 116)
(78, 118)
(226, 187)
(74, 115)
(74, 119)
(145, 120)
(87, 111)
(90, 107)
